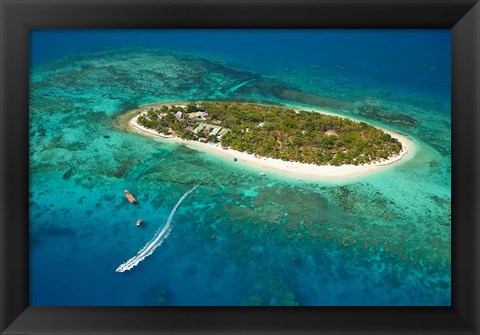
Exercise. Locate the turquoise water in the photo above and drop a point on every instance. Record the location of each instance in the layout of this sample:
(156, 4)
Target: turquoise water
(239, 238)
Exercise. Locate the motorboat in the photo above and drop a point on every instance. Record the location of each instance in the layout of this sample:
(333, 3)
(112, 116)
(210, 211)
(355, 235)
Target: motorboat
(130, 197)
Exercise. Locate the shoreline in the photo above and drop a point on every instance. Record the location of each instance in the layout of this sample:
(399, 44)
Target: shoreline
(296, 169)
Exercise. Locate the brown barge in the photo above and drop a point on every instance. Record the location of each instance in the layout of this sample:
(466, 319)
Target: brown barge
(130, 197)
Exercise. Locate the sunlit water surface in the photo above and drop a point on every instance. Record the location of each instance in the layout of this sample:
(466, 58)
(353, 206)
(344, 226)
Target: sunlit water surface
(239, 238)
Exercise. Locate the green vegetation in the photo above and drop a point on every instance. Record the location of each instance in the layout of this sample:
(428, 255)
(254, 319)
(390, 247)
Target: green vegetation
(275, 131)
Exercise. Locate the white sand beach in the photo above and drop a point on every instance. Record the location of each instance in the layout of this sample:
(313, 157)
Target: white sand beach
(296, 169)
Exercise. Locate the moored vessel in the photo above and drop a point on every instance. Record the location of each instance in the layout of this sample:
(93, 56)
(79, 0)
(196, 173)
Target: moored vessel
(130, 197)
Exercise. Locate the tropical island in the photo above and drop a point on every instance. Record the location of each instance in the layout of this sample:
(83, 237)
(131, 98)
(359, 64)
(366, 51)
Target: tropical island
(274, 132)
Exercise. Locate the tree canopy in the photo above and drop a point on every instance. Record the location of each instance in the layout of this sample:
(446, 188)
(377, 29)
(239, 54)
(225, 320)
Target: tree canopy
(276, 132)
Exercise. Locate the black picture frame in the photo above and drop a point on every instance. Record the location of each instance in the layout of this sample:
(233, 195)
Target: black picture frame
(18, 16)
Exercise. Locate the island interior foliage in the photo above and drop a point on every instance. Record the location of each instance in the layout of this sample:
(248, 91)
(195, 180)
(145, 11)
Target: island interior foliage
(240, 238)
(274, 131)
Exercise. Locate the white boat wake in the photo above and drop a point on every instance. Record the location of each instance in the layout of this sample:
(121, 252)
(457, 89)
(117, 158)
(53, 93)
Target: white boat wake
(236, 87)
(157, 239)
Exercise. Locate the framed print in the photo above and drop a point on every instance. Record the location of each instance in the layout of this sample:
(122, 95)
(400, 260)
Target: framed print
(275, 167)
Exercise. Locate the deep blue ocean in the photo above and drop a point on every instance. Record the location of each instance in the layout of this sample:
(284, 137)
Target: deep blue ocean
(239, 239)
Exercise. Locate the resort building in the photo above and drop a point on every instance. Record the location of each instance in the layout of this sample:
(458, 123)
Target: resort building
(223, 131)
(215, 131)
(198, 116)
(178, 115)
(211, 130)
(199, 128)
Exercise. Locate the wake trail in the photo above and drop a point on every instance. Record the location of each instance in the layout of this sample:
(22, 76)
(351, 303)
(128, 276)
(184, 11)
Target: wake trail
(157, 239)
(236, 87)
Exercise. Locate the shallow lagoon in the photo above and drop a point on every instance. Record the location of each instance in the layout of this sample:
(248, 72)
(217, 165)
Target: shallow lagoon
(239, 239)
